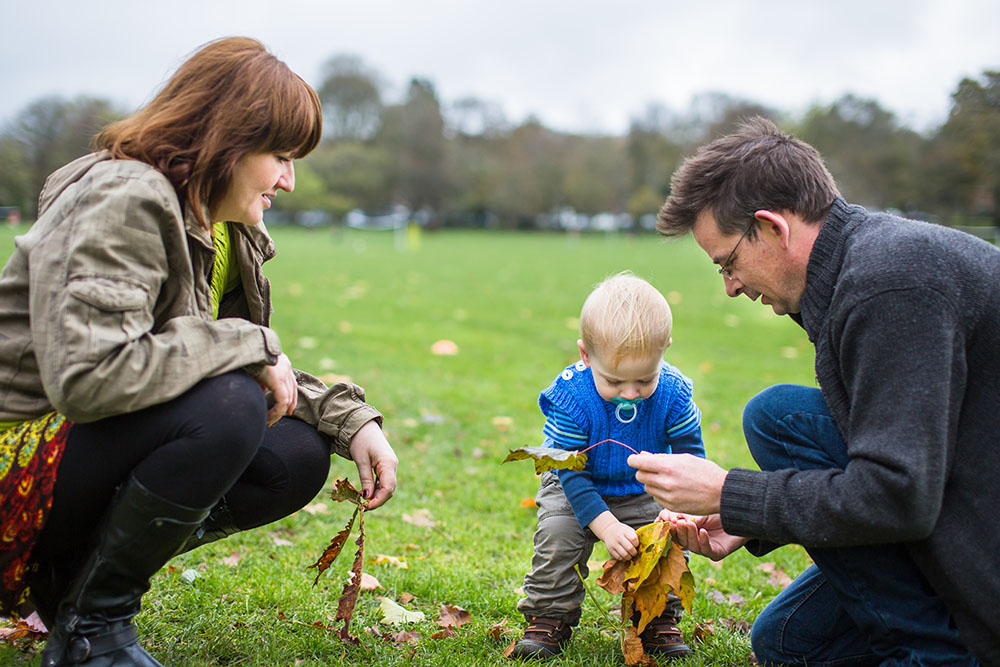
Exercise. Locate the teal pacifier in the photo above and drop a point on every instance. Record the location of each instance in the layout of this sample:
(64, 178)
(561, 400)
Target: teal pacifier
(628, 405)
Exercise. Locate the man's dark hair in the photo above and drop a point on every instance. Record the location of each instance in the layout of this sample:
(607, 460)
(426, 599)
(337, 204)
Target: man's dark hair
(757, 167)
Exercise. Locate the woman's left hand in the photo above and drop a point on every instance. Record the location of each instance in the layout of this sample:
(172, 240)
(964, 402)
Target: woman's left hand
(376, 462)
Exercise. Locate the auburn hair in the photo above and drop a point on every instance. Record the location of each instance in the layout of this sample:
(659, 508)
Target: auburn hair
(231, 98)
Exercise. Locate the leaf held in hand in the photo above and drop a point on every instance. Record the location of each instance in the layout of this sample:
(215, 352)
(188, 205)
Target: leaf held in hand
(343, 490)
(644, 580)
(549, 458)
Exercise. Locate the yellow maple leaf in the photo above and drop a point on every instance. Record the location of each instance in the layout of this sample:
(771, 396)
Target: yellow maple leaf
(644, 581)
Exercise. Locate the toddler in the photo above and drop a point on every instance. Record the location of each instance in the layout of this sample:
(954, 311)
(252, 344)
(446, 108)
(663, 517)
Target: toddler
(620, 389)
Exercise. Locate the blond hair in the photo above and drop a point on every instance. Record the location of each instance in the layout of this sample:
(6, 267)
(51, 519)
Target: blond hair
(625, 318)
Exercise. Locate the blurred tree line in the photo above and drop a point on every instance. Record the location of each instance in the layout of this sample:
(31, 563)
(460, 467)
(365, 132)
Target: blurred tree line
(462, 163)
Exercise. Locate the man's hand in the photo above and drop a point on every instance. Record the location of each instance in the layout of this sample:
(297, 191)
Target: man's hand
(702, 534)
(681, 482)
(280, 380)
(620, 539)
(376, 462)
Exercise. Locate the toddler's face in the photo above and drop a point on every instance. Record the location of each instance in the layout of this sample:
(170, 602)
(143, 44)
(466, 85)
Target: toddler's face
(631, 378)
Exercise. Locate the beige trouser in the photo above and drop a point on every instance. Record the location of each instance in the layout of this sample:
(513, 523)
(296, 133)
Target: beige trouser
(553, 589)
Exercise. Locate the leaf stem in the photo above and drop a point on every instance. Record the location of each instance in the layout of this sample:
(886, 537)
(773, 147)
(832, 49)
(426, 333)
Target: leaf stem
(607, 616)
(608, 440)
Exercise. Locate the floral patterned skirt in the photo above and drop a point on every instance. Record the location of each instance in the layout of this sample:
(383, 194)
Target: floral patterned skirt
(29, 459)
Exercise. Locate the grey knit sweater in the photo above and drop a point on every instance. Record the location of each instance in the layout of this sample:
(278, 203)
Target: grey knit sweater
(905, 317)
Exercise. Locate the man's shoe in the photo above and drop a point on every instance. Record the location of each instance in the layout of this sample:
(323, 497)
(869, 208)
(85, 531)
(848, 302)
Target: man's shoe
(663, 639)
(543, 638)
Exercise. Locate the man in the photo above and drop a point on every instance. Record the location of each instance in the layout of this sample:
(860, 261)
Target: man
(886, 473)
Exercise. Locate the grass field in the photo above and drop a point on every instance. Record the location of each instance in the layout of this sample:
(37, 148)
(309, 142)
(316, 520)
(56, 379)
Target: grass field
(357, 304)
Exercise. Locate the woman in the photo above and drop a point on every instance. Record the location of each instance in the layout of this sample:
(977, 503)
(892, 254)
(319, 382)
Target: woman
(134, 347)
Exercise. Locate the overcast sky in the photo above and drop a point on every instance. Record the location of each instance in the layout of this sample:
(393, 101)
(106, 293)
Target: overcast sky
(580, 65)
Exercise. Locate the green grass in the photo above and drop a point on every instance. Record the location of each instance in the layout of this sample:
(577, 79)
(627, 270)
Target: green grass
(354, 304)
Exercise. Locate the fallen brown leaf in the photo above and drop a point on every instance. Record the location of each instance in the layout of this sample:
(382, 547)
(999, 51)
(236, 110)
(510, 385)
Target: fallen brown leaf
(498, 630)
(421, 518)
(453, 617)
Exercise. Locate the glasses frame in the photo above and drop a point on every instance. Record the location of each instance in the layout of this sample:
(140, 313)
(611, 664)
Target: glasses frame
(724, 267)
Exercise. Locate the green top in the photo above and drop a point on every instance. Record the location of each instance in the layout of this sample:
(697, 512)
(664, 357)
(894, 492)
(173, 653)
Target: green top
(225, 272)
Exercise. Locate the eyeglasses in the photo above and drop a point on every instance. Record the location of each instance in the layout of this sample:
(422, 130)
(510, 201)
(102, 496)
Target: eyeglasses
(724, 268)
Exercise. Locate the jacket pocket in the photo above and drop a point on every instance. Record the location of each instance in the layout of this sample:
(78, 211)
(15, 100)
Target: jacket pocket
(106, 313)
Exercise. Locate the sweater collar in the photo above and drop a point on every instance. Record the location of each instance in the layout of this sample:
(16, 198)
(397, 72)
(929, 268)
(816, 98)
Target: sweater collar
(825, 262)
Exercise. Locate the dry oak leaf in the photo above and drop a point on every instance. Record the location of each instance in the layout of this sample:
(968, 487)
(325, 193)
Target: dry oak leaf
(549, 458)
(406, 598)
(453, 617)
(444, 634)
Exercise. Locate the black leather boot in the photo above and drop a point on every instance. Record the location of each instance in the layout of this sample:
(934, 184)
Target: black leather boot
(217, 525)
(93, 625)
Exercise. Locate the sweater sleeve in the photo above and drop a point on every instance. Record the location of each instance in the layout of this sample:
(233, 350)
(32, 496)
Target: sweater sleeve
(901, 359)
(562, 432)
(684, 433)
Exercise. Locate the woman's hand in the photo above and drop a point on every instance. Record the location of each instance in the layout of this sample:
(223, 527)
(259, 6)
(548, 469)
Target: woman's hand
(280, 380)
(702, 534)
(376, 462)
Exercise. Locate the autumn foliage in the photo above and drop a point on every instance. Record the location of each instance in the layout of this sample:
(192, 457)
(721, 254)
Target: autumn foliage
(644, 582)
(343, 490)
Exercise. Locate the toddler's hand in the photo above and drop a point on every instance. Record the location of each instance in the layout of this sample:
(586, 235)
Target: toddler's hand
(620, 539)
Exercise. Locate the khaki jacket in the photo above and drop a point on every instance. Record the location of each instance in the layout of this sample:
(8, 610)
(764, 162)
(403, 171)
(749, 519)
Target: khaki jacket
(105, 305)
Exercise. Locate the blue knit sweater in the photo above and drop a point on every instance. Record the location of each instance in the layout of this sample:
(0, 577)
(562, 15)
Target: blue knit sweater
(667, 421)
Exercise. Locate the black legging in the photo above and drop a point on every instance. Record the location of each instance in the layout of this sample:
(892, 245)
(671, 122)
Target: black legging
(207, 443)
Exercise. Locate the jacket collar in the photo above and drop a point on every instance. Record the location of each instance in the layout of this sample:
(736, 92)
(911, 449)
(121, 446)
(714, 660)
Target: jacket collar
(256, 235)
(825, 261)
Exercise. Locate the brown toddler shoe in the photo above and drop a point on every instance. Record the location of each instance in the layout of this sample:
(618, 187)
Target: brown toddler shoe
(663, 639)
(543, 638)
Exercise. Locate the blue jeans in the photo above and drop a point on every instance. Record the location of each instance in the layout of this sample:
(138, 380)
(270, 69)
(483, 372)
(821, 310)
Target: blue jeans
(864, 605)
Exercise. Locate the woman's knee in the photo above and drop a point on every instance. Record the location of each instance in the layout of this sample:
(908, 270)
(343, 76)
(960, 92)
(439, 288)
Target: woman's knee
(227, 413)
(299, 459)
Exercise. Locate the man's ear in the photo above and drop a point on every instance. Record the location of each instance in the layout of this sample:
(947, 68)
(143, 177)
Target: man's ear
(774, 224)
(583, 353)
